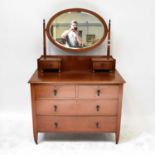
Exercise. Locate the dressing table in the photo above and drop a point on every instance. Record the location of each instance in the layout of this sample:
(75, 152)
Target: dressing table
(72, 93)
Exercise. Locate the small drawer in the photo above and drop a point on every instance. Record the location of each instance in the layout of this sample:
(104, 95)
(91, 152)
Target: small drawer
(54, 91)
(98, 91)
(50, 65)
(102, 65)
(97, 107)
(56, 107)
(76, 124)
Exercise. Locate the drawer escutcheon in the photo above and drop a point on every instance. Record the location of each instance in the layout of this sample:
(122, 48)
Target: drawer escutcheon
(97, 125)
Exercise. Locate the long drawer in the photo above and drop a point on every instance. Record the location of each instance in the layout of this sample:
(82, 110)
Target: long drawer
(98, 91)
(76, 124)
(79, 107)
(54, 91)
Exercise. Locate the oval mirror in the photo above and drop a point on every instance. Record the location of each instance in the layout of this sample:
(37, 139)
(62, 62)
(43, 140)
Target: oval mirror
(76, 29)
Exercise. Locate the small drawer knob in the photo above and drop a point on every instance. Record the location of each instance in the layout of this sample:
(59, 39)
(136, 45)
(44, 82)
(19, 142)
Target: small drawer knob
(55, 92)
(97, 125)
(97, 108)
(56, 124)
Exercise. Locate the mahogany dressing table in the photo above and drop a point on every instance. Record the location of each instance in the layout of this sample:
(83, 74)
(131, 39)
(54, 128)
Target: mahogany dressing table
(76, 94)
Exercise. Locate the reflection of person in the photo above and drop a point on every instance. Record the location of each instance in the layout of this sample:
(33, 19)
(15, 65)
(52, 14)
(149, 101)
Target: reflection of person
(72, 36)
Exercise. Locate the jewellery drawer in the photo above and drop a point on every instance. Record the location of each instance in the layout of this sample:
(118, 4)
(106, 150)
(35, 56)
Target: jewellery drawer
(98, 91)
(76, 124)
(54, 91)
(103, 65)
(50, 64)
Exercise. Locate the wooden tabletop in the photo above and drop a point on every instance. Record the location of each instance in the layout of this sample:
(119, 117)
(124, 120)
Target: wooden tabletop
(77, 77)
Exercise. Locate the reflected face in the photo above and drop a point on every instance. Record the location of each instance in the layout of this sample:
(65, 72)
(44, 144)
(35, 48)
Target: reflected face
(74, 26)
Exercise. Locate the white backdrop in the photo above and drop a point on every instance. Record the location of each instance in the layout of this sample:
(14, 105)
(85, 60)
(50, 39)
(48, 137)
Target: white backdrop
(133, 39)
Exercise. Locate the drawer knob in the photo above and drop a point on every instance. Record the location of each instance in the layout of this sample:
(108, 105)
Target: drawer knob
(55, 124)
(97, 107)
(55, 92)
(97, 124)
(98, 92)
(55, 108)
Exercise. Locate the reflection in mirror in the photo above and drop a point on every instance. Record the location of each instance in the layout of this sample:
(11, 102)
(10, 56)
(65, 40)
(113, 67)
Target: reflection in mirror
(77, 30)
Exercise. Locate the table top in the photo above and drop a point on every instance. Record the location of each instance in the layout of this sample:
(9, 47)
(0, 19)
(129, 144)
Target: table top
(77, 77)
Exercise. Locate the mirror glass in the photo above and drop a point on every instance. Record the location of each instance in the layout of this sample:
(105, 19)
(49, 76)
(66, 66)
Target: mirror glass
(77, 30)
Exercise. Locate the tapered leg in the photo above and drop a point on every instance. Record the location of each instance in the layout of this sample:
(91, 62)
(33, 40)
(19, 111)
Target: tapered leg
(119, 113)
(117, 137)
(35, 134)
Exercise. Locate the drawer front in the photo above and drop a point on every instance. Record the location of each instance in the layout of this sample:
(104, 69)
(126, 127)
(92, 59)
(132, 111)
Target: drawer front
(97, 107)
(82, 107)
(76, 124)
(56, 107)
(54, 91)
(103, 65)
(50, 64)
(101, 91)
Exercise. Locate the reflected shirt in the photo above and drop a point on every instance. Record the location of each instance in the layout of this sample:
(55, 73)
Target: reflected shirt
(71, 40)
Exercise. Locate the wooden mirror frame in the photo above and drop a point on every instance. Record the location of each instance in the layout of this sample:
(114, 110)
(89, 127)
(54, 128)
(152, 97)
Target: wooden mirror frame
(47, 29)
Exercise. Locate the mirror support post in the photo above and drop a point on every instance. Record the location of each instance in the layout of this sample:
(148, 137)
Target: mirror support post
(44, 38)
(109, 29)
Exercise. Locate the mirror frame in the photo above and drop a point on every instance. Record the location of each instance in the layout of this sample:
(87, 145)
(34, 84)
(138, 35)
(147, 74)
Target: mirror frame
(76, 10)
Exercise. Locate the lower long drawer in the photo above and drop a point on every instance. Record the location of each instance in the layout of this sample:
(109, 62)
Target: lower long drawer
(76, 124)
(82, 107)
